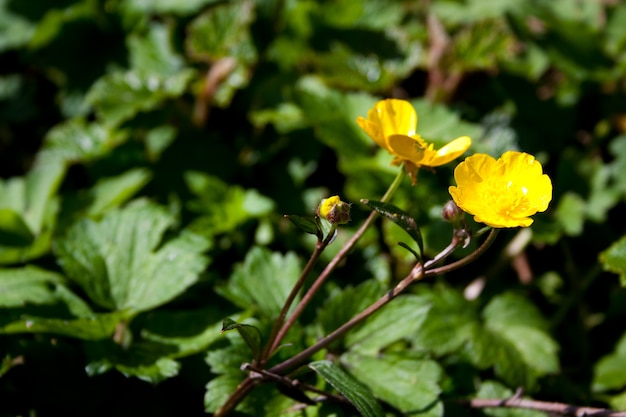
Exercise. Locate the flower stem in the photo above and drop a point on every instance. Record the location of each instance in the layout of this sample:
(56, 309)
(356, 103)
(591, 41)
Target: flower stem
(332, 265)
(319, 248)
(468, 259)
(237, 396)
(415, 274)
(418, 272)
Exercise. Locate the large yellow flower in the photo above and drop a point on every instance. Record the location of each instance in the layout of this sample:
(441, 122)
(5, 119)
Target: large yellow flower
(392, 124)
(502, 193)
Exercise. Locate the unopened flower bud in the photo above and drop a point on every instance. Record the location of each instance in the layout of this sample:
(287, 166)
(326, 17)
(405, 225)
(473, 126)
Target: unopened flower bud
(452, 213)
(334, 210)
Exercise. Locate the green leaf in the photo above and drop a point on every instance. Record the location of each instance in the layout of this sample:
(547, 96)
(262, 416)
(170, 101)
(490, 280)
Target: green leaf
(109, 193)
(332, 115)
(13, 230)
(399, 217)
(158, 139)
(54, 20)
(152, 52)
(15, 29)
(306, 224)
(571, 213)
(79, 141)
(344, 303)
(223, 207)
(121, 263)
(264, 280)
(165, 7)
(250, 334)
(119, 96)
(353, 390)
(449, 323)
(608, 371)
(398, 320)
(147, 361)
(189, 331)
(613, 259)
(519, 346)
(28, 285)
(511, 309)
(38, 301)
(97, 327)
(219, 389)
(410, 385)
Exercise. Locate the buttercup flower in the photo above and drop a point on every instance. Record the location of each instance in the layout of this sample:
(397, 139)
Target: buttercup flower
(334, 210)
(392, 123)
(502, 193)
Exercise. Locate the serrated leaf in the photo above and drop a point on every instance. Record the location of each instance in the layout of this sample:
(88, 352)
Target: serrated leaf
(410, 385)
(306, 224)
(264, 280)
(353, 390)
(398, 320)
(28, 285)
(119, 96)
(79, 141)
(147, 361)
(613, 259)
(399, 217)
(119, 264)
(250, 334)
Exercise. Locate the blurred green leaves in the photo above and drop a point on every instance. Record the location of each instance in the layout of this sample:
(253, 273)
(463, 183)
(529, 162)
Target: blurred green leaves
(135, 218)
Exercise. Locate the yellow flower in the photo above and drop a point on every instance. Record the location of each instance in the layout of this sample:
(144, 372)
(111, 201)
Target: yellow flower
(334, 210)
(502, 193)
(392, 123)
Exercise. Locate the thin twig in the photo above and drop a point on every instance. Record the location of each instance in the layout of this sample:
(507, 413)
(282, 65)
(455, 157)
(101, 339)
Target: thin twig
(545, 406)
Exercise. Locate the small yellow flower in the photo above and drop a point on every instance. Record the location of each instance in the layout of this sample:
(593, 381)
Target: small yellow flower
(392, 125)
(334, 210)
(502, 193)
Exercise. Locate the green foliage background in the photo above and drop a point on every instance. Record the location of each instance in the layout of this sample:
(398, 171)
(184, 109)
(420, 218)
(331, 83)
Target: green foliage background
(149, 149)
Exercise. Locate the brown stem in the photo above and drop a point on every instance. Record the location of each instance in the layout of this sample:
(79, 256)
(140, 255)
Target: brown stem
(545, 406)
(468, 259)
(414, 275)
(237, 396)
(274, 335)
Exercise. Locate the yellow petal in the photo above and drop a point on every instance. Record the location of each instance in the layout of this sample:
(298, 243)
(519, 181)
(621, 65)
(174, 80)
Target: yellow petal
(374, 131)
(450, 151)
(395, 117)
(502, 193)
(407, 148)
